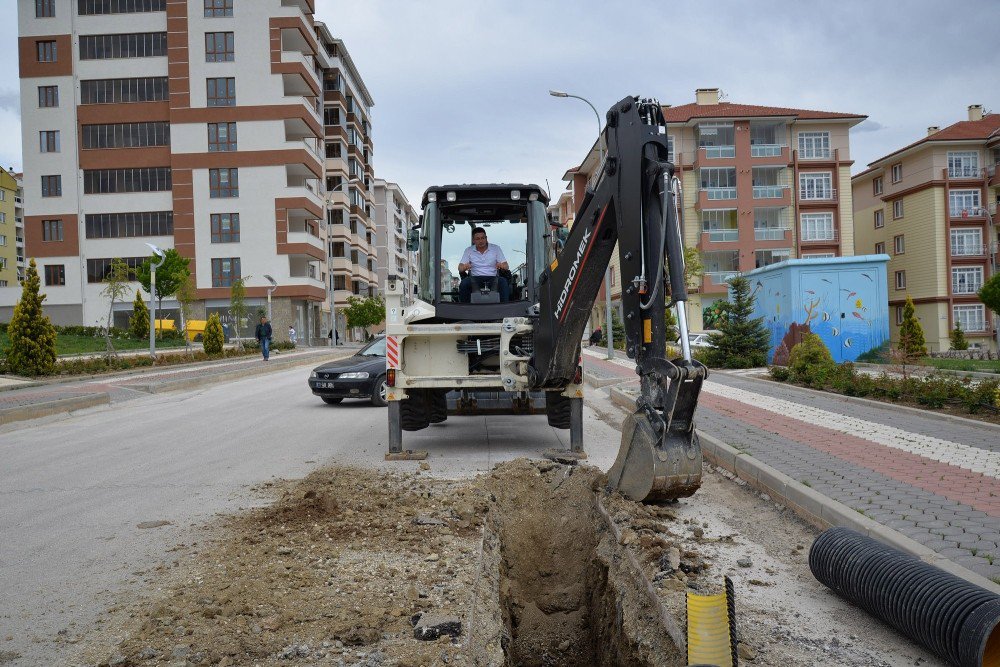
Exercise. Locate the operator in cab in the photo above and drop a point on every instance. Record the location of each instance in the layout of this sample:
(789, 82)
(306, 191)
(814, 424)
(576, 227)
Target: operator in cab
(483, 260)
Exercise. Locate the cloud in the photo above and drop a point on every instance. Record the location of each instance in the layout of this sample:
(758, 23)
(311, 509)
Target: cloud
(869, 125)
(11, 101)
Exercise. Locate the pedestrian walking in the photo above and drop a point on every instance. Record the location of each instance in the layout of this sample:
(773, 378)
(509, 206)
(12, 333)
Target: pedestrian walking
(291, 334)
(263, 335)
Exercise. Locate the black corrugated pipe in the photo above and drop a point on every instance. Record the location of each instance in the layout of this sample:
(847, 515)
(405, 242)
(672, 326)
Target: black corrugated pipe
(955, 619)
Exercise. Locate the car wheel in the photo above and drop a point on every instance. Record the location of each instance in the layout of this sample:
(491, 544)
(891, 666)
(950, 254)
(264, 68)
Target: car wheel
(437, 406)
(331, 401)
(379, 393)
(557, 409)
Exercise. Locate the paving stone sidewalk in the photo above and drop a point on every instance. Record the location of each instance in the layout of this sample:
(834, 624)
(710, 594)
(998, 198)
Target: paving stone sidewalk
(935, 480)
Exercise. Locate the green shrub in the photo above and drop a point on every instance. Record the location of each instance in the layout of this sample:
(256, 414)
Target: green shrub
(957, 336)
(32, 338)
(911, 334)
(213, 338)
(138, 323)
(810, 361)
(779, 373)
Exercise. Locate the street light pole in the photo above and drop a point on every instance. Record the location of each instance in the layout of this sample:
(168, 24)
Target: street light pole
(607, 272)
(152, 297)
(329, 258)
(270, 290)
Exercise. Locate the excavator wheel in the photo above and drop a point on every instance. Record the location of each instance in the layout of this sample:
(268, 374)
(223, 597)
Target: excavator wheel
(437, 405)
(413, 412)
(557, 409)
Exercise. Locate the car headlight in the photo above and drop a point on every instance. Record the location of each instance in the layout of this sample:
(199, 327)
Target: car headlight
(314, 374)
(361, 375)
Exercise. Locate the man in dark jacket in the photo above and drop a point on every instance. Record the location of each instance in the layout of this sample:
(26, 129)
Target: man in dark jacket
(263, 335)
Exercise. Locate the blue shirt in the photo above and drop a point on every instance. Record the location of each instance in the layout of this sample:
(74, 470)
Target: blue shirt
(483, 263)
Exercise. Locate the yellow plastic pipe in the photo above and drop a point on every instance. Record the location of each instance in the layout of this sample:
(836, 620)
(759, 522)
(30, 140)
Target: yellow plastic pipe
(709, 633)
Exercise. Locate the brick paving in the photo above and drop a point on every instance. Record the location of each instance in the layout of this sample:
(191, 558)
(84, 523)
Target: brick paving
(931, 479)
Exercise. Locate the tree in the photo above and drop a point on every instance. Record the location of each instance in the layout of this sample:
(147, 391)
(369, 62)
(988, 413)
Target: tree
(32, 338)
(742, 341)
(186, 295)
(810, 361)
(213, 338)
(670, 325)
(138, 324)
(911, 334)
(116, 287)
(238, 306)
(989, 294)
(694, 269)
(169, 276)
(958, 341)
(366, 312)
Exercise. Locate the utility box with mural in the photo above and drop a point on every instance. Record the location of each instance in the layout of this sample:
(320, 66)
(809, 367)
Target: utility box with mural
(843, 300)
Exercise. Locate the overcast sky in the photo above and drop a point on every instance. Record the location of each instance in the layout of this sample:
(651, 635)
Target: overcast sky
(461, 86)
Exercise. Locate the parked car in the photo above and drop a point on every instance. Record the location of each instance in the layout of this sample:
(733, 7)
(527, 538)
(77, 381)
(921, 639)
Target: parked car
(358, 376)
(701, 339)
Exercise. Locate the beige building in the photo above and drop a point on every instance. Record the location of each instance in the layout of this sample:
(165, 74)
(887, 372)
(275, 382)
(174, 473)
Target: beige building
(394, 217)
(11, 236)
(931, 206)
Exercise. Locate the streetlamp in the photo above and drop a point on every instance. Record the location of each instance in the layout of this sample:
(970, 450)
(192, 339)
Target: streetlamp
(329, 256)
(152, 297)
(607, 272)
(270, 290)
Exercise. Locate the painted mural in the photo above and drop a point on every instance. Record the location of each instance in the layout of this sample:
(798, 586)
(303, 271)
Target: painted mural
(841, 300)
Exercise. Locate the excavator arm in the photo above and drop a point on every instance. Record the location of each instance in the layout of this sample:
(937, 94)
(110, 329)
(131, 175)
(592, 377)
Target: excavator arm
(631, 203)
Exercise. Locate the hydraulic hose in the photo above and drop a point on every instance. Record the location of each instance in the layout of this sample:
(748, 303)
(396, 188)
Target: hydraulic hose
(952, 617)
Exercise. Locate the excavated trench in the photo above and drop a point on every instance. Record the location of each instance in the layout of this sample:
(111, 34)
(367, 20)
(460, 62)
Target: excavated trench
(555, 587)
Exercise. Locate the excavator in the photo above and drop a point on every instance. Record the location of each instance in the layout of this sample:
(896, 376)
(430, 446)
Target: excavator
(509, 340)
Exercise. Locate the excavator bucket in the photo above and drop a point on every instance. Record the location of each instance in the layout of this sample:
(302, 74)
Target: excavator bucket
(651, 467)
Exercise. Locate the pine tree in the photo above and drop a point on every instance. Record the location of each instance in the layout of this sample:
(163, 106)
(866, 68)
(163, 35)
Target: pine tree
(958, 341)
(32, 347)
(911, 334)
(742, 341)
(213, 338)
(138, 324)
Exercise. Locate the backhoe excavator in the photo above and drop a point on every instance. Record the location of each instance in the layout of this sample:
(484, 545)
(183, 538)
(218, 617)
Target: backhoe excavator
(457, 347)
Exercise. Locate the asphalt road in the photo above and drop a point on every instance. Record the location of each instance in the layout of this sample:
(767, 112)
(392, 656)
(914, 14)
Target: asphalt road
(74, 490)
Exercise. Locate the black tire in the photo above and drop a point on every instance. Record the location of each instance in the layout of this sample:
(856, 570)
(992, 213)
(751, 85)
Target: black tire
(413, 412)
(331, 401)
(438, 409)
(557, 409)
(379, 393)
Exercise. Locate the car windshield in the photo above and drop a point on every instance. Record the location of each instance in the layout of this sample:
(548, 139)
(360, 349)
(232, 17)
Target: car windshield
(375, 349)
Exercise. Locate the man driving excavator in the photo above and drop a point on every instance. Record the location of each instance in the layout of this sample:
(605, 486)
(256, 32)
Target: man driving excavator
(483, 260)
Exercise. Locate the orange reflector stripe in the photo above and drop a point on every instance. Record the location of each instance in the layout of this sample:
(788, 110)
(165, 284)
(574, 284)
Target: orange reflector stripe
(647, 331)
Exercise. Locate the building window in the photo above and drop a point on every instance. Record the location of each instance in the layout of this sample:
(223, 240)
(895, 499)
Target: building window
(818, 185)
(52, 186)
(963, 203)
(225, 227)
(118, 91)
(814, 145)
(897, 209)
(966, 279)
(223, 183)
(221, 92)
(52, 230)
(340, 282)
(898, 245)
(877, 185)
(334, 149)
(129, 225)
(718, 140)
(963, 164)
(879, 219)
(670, 148)
(55, 274)
(142, 179)
(720, 224)
(818, 227)
(45, 9)
(818, 255)
(337, 249)
(880, 248)
(967, 242)
(331, 116)
(46, 50)
(220, 47)
(48, 141)
(900, 279)
(768, 257)
(126, 135)
(225, 271)
(215, 8)
(99, 7)
(48, 96)
(897, 172)
(717, 182)
(127, 45)
(3, 239)
(899, 315)
(98, 270)
(970, 318)
(221, 137)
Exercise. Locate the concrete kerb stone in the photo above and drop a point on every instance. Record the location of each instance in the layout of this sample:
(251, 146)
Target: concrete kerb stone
(812, 506)
(597, 381)
(53, 407)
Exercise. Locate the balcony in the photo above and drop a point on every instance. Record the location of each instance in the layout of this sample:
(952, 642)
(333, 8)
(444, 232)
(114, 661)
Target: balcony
(964, 171)
(718, 152)
(820, 236)
(771, 233)
(767, 150)
(718, 194)
(307, 239)
(720, 277)
(968, 250)
(720, 235)
(769, 191)
(814, 194)
(967, 212)
(814, 153)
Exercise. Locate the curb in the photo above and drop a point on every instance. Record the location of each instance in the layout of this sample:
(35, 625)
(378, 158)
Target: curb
(598, 381)
(811, 506)
(53, 407)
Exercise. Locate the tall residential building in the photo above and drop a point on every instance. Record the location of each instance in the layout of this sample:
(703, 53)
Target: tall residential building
(166, 122)
(931, 206)
(347, 107)
(394, 217)
(11, 241)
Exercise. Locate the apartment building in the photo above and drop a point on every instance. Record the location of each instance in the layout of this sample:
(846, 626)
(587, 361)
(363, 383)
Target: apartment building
(931, 205)
(167, 122)
(11, 236)
(394, 217)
